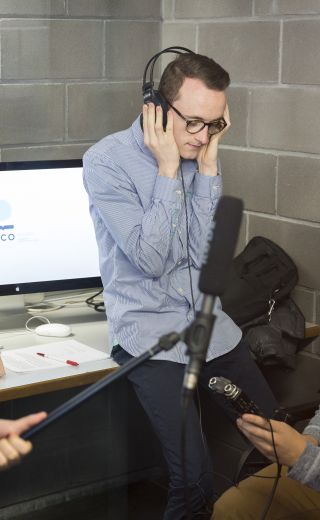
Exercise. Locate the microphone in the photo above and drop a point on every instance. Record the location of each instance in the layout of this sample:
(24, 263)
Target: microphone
(217, 258)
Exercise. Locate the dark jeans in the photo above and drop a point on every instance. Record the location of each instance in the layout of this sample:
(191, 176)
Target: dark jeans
(158, 387)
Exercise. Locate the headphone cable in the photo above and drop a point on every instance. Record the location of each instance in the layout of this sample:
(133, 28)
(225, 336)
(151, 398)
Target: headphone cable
(187, 240)
(185, 409)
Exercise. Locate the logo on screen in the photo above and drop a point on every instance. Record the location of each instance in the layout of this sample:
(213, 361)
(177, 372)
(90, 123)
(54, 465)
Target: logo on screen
(5, 210)
(6, 230)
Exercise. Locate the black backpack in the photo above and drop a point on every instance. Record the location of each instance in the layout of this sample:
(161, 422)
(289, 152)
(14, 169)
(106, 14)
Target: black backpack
(261, 276)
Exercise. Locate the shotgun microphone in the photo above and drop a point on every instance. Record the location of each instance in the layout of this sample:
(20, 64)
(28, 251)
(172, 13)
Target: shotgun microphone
(217, 259)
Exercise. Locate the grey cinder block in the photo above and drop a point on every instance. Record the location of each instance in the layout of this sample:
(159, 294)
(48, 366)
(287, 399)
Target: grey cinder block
(250, 176)
(298, 7)
(285, 119)
(32, 7)
(301, 42)
(182, 34)
(208, 8)
(248, 50)
(299, 188)
(40, 49)
(141, 37)
(264, 7)
(116, 8)
(31, 113)
(168, 9)
(238, 102)
(279, 7)
(98, 109)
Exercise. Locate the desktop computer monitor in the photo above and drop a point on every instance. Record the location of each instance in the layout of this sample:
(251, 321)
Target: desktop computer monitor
(47, 240)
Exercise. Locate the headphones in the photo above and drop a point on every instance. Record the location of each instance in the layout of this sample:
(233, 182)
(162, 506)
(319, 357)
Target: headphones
(150, 95)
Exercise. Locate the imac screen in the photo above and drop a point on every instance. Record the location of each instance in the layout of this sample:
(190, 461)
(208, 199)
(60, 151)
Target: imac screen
(47, 239)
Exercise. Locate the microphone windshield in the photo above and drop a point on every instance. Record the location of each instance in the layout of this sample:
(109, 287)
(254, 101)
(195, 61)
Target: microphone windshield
(220, 247)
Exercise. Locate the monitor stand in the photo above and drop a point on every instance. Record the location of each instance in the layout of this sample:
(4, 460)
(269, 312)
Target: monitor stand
(13, 314)
(14, 310)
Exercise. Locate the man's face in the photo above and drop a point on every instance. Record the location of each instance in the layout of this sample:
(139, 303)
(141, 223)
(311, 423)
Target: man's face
(195, 101)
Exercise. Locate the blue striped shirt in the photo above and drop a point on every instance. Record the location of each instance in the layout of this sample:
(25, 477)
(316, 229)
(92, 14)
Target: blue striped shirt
(140, 225)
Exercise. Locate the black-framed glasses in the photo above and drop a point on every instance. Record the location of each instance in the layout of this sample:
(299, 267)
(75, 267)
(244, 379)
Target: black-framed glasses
(194, 126)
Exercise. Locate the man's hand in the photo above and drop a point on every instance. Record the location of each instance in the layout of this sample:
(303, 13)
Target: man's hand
(289, 443)
(208, 154)
(161, 143)
(12, 447)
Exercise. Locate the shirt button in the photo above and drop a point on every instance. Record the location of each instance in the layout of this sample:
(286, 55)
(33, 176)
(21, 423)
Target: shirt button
(178, 192)
(180, 290)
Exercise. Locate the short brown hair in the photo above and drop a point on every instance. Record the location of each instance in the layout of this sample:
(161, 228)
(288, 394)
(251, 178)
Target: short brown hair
(192, 65)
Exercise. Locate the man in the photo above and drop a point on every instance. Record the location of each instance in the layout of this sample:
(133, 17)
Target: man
(297, 495)
(144, 184)
(12, 447)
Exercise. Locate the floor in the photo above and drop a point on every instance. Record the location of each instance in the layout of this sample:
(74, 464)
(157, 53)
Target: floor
(139, 501)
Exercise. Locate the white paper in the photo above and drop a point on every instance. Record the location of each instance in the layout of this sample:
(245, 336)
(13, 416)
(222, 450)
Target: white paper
(27, 360)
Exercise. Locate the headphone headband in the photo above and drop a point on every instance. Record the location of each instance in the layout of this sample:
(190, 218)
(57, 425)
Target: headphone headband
(150, 95)
(175, 50)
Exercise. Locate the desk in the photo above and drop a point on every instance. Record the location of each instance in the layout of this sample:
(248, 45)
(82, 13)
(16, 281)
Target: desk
(88, 326)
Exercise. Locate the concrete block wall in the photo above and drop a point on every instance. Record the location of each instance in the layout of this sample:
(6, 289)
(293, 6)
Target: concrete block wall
(71, 72)
(271, 156)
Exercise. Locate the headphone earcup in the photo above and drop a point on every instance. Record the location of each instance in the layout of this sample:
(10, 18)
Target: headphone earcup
(159, 100)
(153, 96)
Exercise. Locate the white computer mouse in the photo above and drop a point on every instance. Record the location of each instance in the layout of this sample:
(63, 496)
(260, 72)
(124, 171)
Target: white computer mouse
(58, 330)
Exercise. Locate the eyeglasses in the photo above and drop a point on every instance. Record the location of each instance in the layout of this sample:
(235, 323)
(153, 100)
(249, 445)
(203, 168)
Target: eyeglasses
(194, 126)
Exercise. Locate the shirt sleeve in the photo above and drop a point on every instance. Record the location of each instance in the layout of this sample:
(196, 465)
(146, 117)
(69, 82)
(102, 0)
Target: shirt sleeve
(307, 468)
(207, 192)
(313, 427)
(144, 235)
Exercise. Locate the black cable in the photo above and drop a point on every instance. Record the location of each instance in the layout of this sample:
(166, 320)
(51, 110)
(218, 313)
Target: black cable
(277, 478)
(187, 241)
(183, 462)
(99, 307)
(185, 408)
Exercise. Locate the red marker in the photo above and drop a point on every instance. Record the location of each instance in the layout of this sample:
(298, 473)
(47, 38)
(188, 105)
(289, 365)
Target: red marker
(67, 361)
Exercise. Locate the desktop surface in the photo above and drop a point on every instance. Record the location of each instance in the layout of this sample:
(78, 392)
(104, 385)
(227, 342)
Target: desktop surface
(88, 327)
